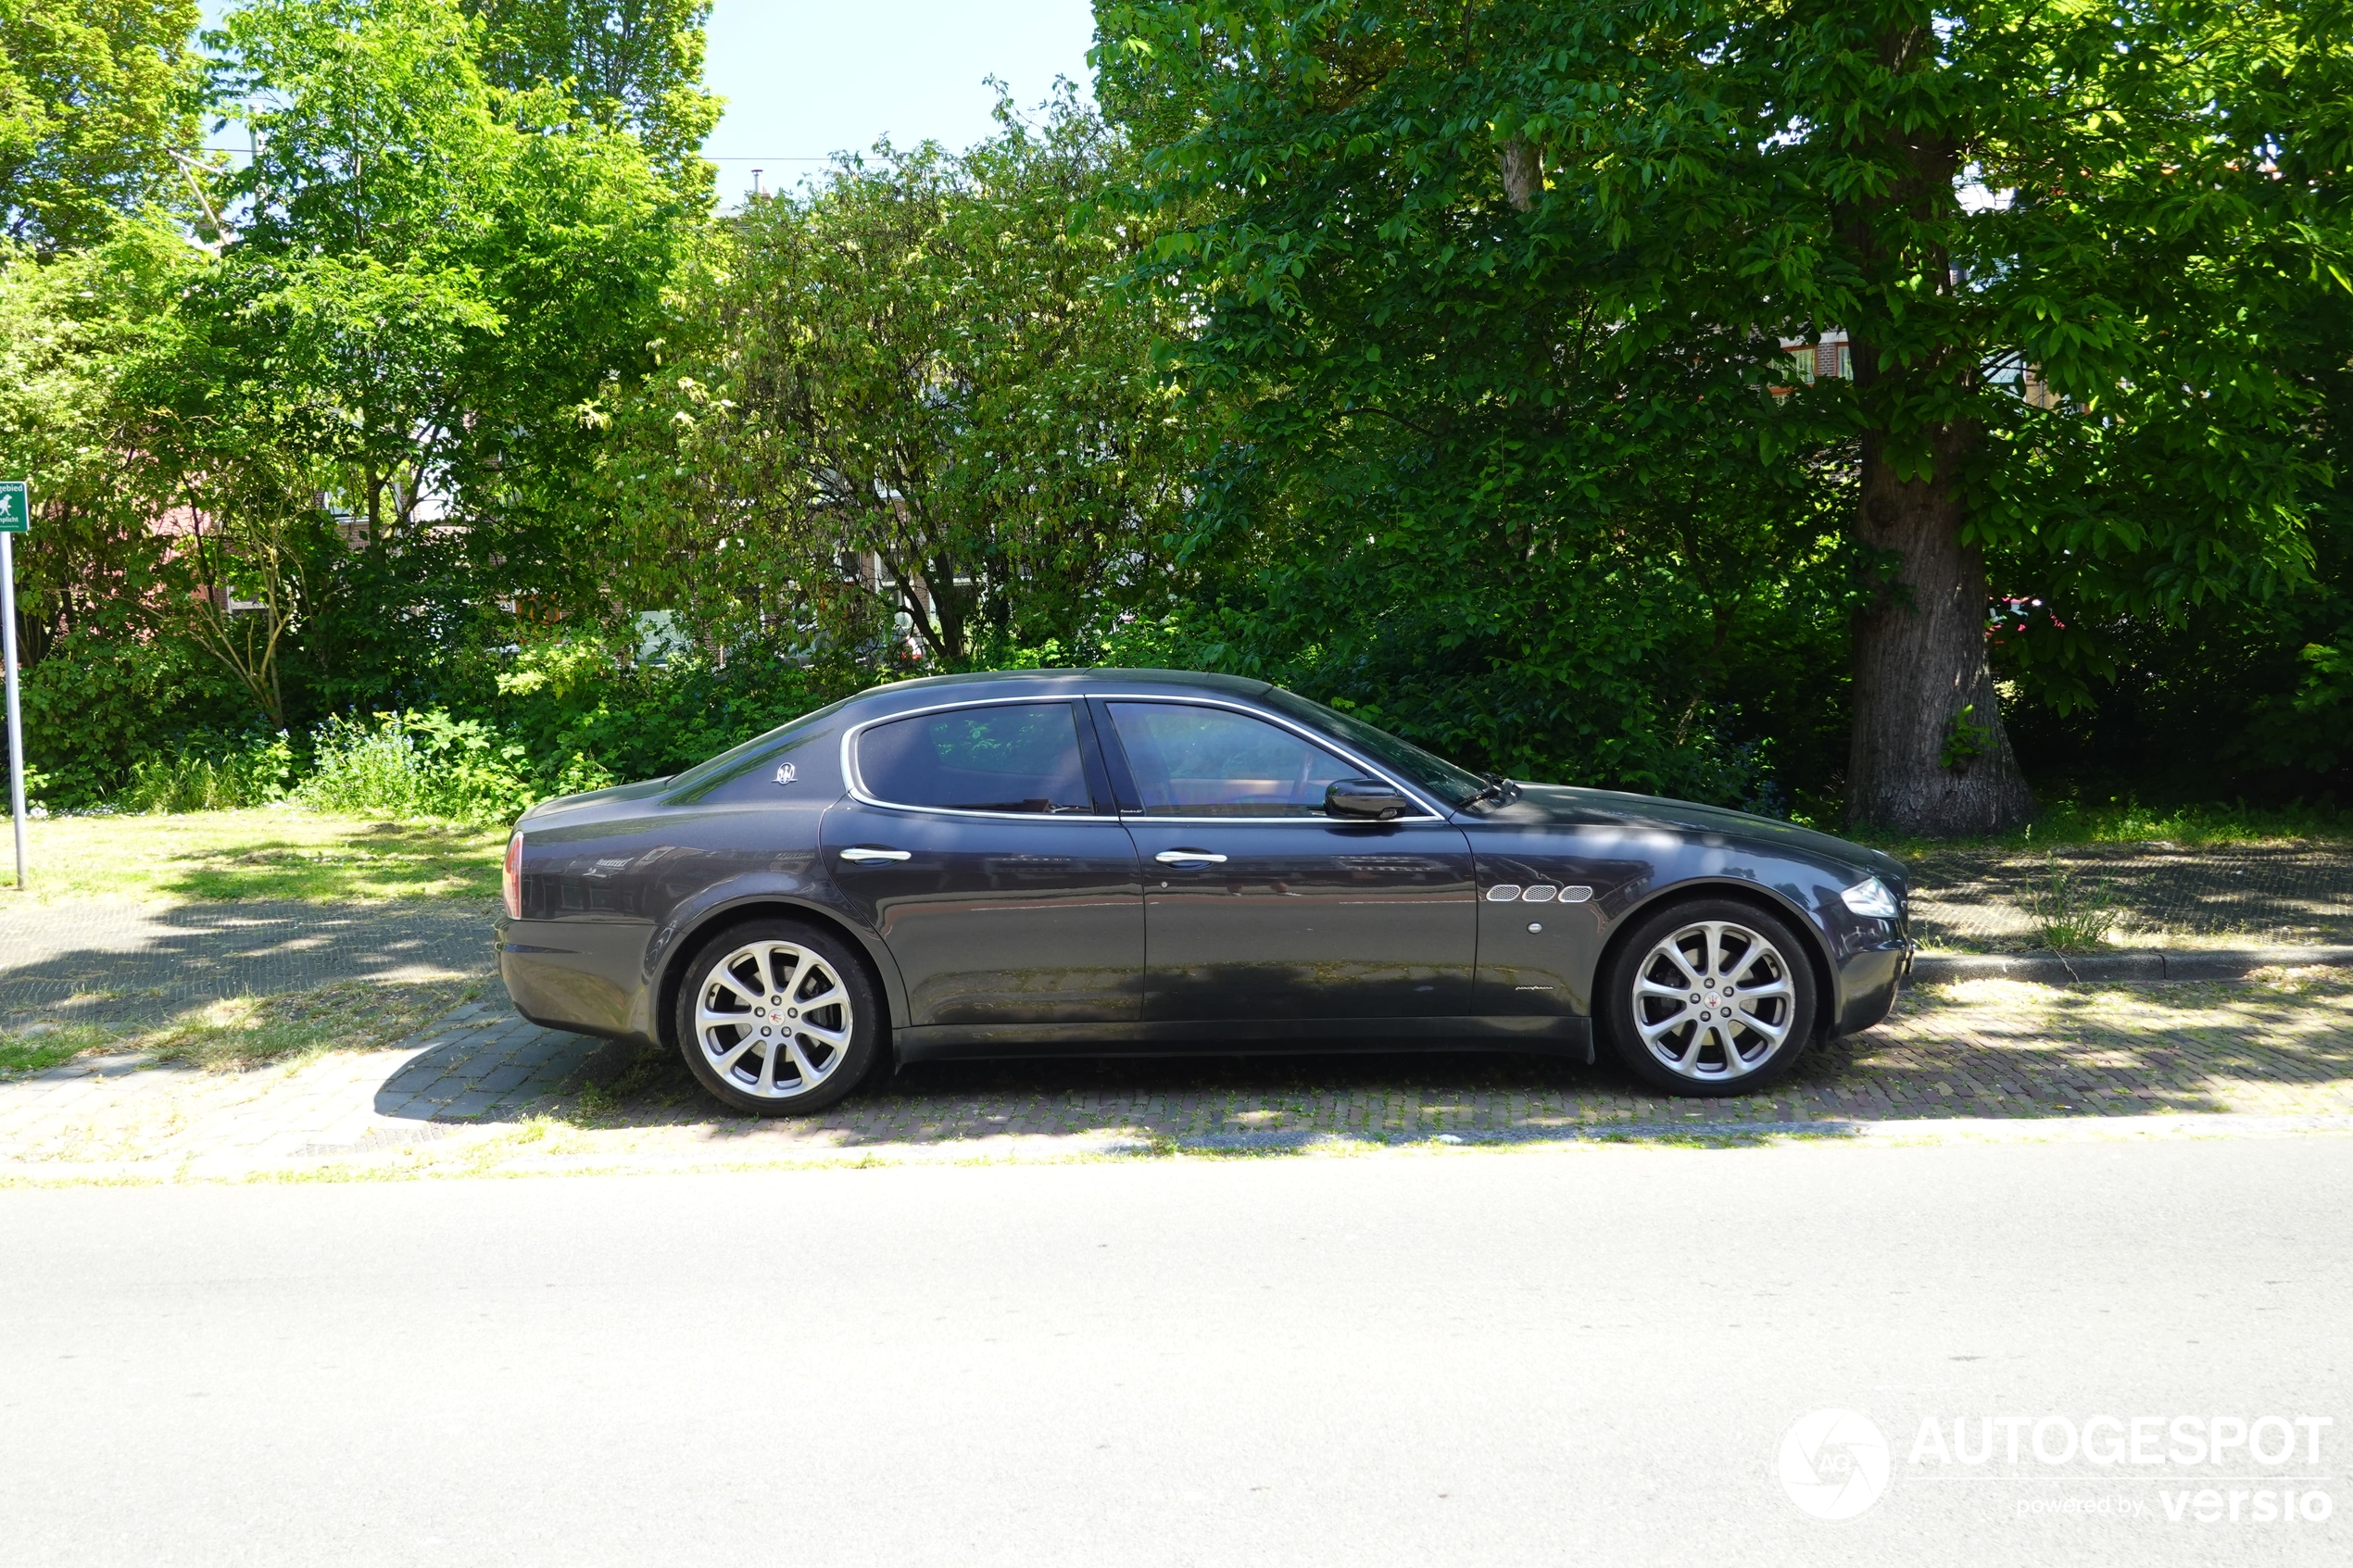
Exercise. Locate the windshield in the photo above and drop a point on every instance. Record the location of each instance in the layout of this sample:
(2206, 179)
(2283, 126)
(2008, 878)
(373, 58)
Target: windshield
(1454, 786)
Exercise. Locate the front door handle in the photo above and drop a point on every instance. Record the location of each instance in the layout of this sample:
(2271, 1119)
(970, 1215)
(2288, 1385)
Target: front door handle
(1189, 858)
(862, 854)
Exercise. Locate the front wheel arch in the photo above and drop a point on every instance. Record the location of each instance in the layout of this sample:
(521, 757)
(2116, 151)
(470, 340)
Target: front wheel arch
(1622, 994)
(1818, 956)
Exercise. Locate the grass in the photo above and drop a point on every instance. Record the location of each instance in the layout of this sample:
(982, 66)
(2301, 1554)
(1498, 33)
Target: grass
(2073, 821)
(46, 1045)
(247, 1032)
(2068, 918)
(266, 852)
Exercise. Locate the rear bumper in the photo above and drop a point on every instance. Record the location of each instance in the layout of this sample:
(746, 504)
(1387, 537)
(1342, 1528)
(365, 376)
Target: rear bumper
(588, 976)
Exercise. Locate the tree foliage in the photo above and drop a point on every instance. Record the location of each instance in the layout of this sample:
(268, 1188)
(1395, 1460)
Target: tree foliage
(321, 447)
(1430, 355)
(920, 376)
(98, 101)
(1577, 235)
(626, 64)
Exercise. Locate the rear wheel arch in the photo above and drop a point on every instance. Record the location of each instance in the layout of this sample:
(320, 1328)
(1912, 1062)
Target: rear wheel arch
(1818, 958)
(691, 938)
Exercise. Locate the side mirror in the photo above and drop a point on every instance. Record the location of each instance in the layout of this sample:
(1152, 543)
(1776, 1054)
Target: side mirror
(1367, 799)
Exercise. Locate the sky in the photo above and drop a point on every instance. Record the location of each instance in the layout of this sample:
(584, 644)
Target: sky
(805, 79)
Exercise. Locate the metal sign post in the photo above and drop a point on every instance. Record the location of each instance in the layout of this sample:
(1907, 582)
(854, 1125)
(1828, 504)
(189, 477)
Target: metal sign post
(15, 515)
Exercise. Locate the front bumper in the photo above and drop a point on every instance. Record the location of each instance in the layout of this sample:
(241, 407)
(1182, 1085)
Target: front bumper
(1871, 975)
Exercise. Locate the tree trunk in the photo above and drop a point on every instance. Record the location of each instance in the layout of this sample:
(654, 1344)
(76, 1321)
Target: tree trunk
(1523, 169)
(1930, 756)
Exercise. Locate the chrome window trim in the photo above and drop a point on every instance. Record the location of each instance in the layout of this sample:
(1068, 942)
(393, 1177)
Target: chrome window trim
(855, 783)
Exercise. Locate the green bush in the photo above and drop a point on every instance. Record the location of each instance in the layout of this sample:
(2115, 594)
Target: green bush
(91, 712)
(581, 713)
(412, 764)
(212, 773)
(496, 732)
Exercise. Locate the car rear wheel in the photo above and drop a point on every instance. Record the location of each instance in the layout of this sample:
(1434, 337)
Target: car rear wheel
(778, 1019)
(1709, 998)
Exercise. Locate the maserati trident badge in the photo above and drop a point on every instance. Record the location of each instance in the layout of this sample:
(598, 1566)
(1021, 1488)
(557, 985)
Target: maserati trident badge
(787, 773)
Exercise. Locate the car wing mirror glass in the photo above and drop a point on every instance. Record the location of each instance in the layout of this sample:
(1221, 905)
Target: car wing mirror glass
(1367, 799)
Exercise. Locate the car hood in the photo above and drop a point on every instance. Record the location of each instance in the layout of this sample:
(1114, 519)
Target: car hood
(1570, 806)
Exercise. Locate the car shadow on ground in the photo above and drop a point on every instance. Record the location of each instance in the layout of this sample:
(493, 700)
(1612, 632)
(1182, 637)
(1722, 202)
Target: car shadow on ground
(2120, 1051)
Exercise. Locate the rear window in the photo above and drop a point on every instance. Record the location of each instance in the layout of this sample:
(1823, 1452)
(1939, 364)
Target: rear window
(1019, 757)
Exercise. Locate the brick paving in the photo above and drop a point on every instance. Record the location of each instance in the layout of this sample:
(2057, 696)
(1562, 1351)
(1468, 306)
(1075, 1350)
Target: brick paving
(99, 962)
(481, 1084)
(1977, 900)
(484, 1090)
(120, 962)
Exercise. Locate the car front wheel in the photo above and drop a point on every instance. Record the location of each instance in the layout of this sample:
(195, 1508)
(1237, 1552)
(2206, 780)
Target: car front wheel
(1709, 998)
(778, 1019)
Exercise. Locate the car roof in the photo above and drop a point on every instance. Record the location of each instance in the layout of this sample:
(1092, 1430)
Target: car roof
(900, 695)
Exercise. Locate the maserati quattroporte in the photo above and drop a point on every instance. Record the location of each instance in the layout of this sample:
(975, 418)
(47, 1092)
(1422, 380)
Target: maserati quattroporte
(1108, 862)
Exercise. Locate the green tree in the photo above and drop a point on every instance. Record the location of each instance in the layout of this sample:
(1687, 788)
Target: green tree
(634, 65)
(1593, 195)
(353, 289)
(918, 375)
(98, 101)
(368, 415)
(125, 622)
(314, 461)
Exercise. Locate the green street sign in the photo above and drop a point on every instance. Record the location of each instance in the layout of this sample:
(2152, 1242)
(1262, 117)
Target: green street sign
(16, 506)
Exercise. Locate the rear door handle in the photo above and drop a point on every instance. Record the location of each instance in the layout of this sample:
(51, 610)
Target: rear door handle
(1189, 858)
(863, 853)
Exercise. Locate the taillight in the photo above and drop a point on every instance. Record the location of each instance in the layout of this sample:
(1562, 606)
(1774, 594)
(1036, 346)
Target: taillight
(511, 883)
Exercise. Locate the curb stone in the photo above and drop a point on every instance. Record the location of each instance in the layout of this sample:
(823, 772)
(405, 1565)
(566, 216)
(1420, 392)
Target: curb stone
(307, 1163)
(2056, 969)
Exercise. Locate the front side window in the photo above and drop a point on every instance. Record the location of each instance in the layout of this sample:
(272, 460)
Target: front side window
(1456, 786)
(1021, 756)
(1213, 762)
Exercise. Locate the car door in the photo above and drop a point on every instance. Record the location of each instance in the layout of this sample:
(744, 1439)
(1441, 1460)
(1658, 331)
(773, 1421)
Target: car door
(1257, 905)
(982, 843)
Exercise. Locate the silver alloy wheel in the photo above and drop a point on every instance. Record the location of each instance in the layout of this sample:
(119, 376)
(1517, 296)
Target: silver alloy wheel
(774, 1020)
(1714, 1000)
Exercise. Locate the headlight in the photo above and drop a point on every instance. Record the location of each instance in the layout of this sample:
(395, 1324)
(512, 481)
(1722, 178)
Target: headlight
(1870, 897)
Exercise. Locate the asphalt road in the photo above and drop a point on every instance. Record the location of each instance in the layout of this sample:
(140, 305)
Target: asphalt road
(1568, 1355)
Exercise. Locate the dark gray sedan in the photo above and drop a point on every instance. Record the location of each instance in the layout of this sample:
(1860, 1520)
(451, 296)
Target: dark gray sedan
(1144, 861)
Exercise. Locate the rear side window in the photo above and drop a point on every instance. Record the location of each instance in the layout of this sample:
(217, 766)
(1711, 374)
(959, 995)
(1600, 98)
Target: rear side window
(697, 782)
(1021, 756)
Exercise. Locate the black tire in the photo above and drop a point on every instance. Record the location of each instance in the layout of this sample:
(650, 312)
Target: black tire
(1724, 1042)
(804, 964)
